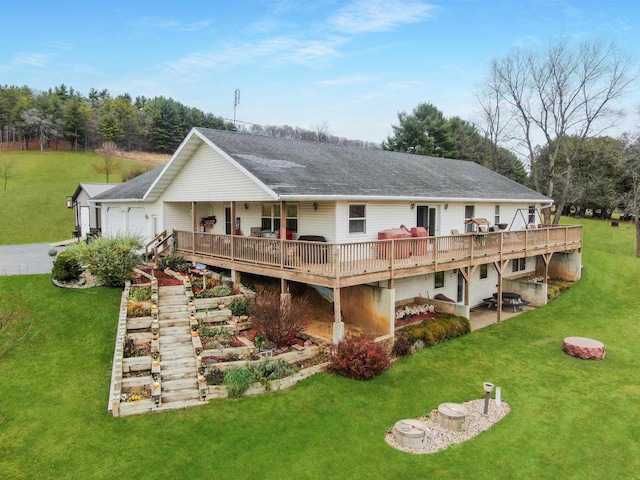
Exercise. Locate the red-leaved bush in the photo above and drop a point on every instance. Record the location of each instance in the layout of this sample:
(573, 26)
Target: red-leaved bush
(359, 357)
(279, 320)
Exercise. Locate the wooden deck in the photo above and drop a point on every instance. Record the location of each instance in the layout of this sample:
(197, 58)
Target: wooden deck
(345, 264)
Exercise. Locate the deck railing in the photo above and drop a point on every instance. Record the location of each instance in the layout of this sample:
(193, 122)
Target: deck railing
(345, 259)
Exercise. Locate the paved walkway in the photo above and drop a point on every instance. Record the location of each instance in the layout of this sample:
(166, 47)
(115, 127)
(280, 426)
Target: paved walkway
(27, 259)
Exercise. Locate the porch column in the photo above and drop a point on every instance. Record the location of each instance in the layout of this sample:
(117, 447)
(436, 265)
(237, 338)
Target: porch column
(194, 227)
(338, 324)
(233, 229)
(283, 231)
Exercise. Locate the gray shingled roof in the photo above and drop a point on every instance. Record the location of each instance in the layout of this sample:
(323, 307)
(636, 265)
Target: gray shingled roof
(301, 168)
(134, 189)
(295, 169)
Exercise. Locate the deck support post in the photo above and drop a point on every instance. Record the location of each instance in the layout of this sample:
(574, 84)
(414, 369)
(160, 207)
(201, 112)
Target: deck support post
(467, 273)
(547, 258)
(500, 265)
(338, 324)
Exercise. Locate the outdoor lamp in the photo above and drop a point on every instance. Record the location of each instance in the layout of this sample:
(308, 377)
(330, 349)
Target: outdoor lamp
(488, 387)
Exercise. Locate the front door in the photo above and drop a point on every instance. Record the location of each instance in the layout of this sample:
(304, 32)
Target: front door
(227, 220)
(427, 219)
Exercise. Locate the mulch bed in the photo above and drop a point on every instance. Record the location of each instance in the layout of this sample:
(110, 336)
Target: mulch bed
(164, 280)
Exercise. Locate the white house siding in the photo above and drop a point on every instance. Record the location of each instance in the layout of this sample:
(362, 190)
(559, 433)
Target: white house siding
(208, 177)
(317, 222)
(378, 216)
(176, 216)
(480, 288)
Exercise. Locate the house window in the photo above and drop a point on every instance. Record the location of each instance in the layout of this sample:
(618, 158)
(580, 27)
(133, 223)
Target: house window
(469, 213)
(532, 214)
(496, 215)
(357, 219)
(439, 280)
(484, 271)
(271, 217)
(518, 264)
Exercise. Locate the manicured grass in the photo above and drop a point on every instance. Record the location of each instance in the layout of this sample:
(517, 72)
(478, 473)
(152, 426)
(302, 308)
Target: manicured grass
(570, 418)
(32, 209)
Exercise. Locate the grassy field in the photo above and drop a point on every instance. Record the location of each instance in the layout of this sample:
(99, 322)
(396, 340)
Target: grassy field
(32, 209)
(570, 418)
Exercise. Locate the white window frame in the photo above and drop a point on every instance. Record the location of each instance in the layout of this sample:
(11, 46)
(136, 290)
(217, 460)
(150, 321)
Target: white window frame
(435, 279)
(359, 220)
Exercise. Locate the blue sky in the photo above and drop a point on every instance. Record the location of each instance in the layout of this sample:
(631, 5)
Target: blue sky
(350, 64)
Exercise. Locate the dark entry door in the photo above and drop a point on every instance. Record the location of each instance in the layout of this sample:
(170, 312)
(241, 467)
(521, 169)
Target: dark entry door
(427, 219)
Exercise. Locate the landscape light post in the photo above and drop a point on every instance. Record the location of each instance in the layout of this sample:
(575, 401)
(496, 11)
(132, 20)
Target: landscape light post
(488, 387)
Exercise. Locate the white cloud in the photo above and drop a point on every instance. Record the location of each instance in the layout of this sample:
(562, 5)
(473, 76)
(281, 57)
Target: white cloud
(379, 15)
(159, 23)
(277, 50)
(32, 59)
(346, 80)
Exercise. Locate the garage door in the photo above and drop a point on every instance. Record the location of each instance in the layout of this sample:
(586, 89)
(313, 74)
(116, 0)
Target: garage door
(114, 222)
(136, 221)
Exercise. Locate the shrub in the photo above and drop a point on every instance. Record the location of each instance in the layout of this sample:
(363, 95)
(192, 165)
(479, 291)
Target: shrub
(401, 346)
(359, 357)
(237, 381)
(132, 349)
(111, 259)
(438, 329)
(66, 266)
(217, 291)
(214, 376)
(140, 294)
(137, 309)
(280, 321)
(268, 370)
(177, 263)
(240, 306)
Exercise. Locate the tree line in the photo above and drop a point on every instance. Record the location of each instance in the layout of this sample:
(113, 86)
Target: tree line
(156, 124)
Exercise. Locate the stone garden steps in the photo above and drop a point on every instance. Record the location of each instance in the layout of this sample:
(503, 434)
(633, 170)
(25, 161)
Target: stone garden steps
(178, 371)
(172, 290)
(176, 330)
(169, 353)
(175, 399)
(180, 321)
(183, 403)
(172, 300)
(165, 310)
(176, 384)
(169, 365)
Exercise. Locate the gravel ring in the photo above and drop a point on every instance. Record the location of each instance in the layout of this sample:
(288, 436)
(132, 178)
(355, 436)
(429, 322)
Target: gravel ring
(439, 438)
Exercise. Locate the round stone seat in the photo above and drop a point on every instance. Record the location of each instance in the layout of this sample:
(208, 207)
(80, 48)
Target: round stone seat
(585, 348)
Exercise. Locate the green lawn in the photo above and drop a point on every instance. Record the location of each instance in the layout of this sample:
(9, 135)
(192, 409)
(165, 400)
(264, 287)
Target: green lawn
(570, 418)
(32, 209)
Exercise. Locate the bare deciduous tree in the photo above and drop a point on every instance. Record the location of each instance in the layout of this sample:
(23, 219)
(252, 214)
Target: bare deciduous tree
(110, 164)
(561, 92)
(6, 172)
(631, 199)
